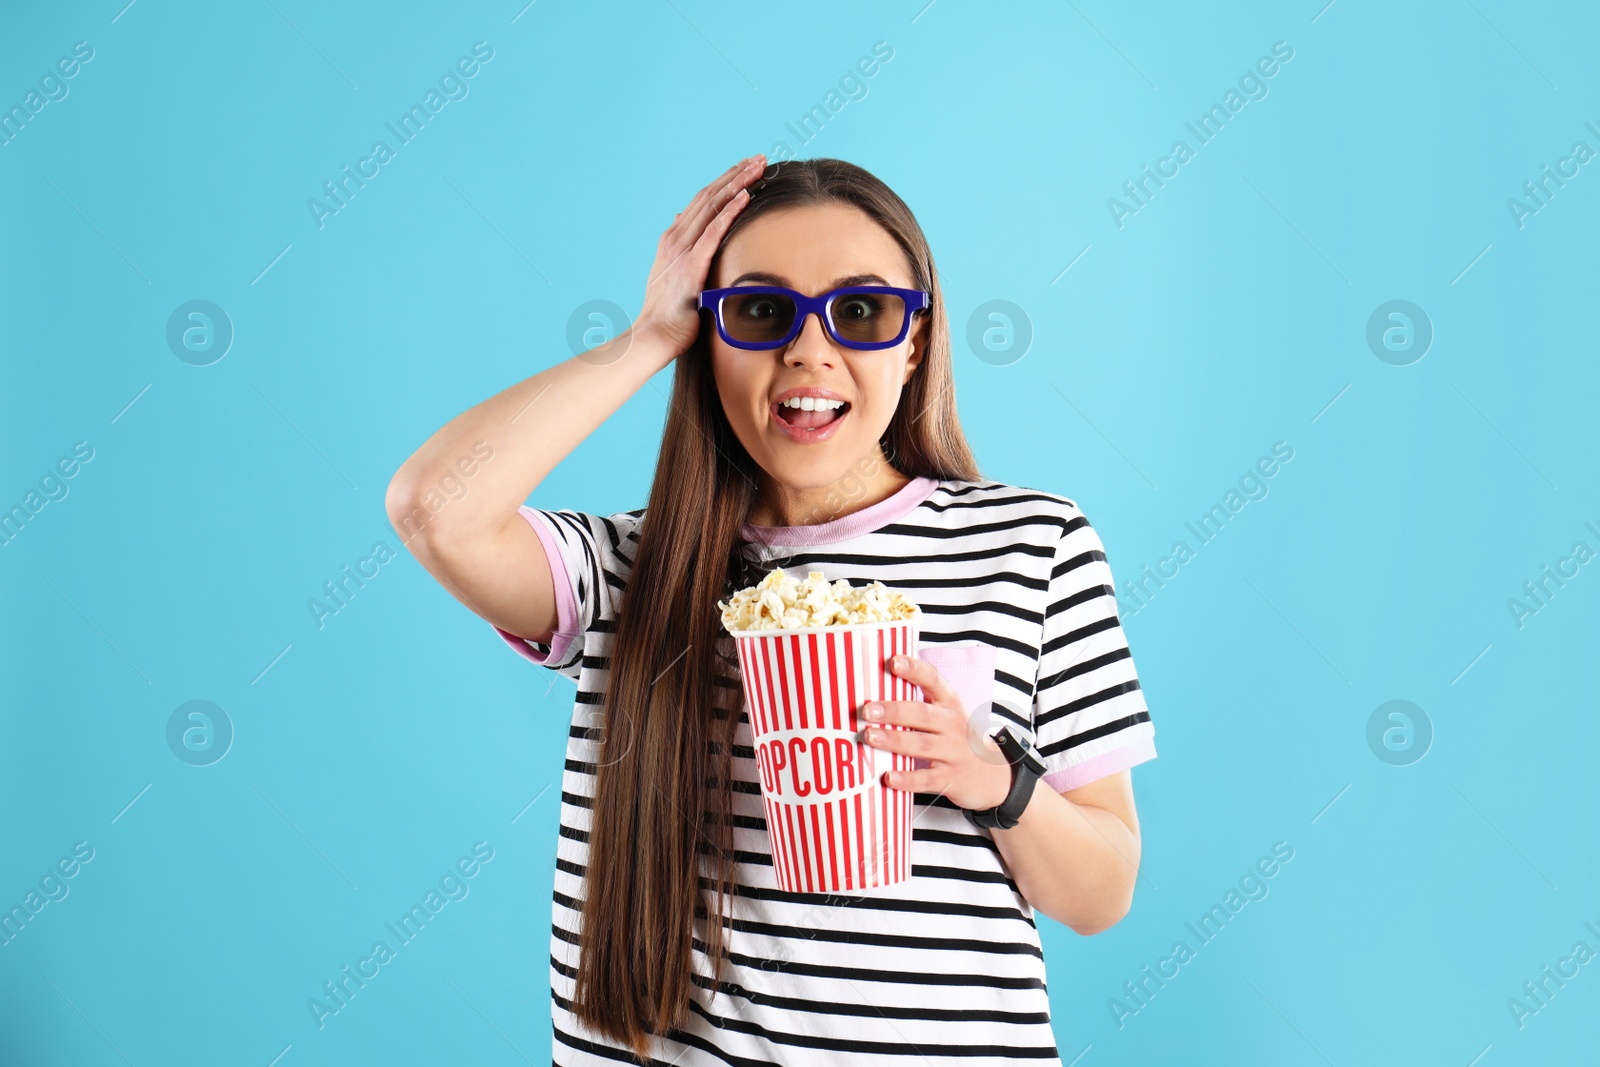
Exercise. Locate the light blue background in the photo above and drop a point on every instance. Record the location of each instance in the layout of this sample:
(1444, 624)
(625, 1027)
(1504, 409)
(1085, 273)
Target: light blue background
(1226, 315)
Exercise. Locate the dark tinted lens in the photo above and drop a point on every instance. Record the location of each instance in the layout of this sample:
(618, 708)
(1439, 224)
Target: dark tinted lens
(868, 318)
(757, 317)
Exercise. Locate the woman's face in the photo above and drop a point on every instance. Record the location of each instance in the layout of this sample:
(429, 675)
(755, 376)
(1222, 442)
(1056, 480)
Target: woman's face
(813, 249)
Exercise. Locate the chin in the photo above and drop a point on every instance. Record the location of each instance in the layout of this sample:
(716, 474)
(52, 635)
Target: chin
(815, 467)
(808, 472)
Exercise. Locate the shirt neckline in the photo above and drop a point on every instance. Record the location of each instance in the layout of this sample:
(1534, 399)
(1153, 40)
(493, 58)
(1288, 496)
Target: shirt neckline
(898, 504)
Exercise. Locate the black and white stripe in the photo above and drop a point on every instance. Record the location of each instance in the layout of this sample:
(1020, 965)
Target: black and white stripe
(946, 967)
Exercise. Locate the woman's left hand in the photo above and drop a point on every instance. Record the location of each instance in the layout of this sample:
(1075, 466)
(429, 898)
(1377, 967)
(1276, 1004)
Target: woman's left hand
(965, 763)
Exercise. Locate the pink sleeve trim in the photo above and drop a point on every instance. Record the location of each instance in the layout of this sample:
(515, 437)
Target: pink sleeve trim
(566, 605)
(1097, 767)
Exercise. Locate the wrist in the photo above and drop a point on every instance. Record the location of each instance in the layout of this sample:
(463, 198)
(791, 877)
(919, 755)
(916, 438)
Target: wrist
(1025, 769)
(1000, 778)
(655, 341)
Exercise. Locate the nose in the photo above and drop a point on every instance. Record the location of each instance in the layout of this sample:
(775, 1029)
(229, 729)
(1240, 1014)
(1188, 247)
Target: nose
(812, 346)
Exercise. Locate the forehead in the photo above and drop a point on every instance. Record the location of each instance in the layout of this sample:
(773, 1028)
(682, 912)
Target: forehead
(813, 246)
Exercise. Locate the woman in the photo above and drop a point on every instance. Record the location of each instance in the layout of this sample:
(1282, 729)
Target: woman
(868, 479)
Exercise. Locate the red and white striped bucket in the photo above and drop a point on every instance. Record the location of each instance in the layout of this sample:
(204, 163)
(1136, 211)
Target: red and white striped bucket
(834, 826)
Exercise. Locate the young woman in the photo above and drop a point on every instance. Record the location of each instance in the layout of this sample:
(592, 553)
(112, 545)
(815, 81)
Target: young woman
(662, 824)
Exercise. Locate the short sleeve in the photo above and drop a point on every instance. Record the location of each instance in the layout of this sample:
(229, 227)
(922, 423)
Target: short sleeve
(590, 557)
(1089, 714)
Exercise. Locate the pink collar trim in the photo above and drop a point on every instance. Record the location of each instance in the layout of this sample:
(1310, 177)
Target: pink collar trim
(865, 521)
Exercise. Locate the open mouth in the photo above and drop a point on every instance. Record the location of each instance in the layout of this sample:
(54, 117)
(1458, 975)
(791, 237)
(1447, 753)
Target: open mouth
(811, 414)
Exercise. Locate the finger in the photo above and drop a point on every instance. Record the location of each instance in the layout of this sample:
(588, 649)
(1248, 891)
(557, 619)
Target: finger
(696, 219)
(922, 781)
(708, 241)
(705, 195)
(705, 245)
(926, 676)
(905, 742)
(721, 179)
(911, 714)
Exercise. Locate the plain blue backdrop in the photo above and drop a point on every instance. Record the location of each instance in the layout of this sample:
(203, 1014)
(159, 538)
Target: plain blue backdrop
(1441, 859)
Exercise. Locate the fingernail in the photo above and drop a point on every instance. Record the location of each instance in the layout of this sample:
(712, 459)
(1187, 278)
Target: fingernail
(875, 736)
(900, 662)
(874, 711)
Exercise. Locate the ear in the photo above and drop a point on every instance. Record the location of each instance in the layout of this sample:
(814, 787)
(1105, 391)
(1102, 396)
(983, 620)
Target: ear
(919, 347)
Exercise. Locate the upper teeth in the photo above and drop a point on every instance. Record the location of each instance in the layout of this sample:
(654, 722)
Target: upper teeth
(811, 403)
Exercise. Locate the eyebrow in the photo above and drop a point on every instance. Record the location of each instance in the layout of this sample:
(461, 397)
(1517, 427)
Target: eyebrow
(765, 278)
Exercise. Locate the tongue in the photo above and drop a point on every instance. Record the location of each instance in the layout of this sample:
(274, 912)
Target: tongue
(808, 420)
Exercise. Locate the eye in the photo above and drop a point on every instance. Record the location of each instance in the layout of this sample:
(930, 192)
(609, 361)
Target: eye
(857, 307)
(759, 308)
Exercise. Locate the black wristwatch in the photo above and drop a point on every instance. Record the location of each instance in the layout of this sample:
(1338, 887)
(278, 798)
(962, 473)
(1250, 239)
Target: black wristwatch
(1026, 769)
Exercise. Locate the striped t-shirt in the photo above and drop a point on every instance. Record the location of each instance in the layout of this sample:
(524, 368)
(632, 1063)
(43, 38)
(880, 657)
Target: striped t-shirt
(1018, 608)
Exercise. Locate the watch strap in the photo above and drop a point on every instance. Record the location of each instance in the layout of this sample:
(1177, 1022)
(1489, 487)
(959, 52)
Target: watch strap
(1026, 769)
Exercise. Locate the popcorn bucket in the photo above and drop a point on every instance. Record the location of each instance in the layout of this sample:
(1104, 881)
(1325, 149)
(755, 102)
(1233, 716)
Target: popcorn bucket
(834, 826)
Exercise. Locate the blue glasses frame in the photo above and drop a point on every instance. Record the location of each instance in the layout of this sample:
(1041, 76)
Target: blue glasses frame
(914, 300)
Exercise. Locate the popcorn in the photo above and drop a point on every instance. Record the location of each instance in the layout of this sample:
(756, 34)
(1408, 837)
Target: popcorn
(782, 602)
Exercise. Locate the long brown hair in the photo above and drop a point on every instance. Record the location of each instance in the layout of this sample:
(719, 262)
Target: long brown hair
(663, 796)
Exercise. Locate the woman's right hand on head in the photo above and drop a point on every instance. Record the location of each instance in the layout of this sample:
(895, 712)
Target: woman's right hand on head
(483, 548)
(683, 255)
